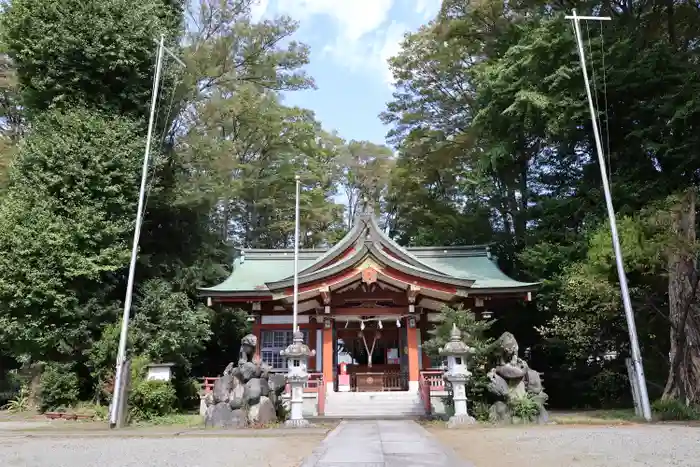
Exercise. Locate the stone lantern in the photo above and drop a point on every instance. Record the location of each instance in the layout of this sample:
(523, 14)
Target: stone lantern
(297, 355)
(457, 375)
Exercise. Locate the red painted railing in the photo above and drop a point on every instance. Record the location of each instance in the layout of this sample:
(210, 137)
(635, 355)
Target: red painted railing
(208, 383)
(315, 381)
(428, 381)
(434, 379)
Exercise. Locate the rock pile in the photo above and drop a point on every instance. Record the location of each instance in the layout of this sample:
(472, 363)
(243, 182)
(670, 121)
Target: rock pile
(246, 394)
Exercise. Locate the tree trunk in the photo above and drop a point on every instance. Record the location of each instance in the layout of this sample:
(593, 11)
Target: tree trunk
(683, 381)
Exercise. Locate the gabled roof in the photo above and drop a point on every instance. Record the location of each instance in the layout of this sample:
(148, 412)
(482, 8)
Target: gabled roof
(260, 273)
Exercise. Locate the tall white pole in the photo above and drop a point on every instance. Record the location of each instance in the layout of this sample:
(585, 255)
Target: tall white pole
(296, 257)
(629, 314)
(121, 354)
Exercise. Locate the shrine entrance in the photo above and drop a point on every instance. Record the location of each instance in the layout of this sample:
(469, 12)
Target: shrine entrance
(373, 355)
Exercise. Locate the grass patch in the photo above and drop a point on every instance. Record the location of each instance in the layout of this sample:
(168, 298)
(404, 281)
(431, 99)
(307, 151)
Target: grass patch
(172, 420)
(595, 417)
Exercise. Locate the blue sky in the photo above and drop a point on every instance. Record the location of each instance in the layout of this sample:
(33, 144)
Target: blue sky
(350, 42)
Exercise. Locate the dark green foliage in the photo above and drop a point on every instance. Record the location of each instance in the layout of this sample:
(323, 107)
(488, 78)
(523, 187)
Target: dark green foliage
(673, 409)
(64, 231)
(525, 409)
(495, 144)
(281, 410)
(474, 334)
(10, 386)
(187, 391)
(151, 399)
(96, 53)
(59, 387)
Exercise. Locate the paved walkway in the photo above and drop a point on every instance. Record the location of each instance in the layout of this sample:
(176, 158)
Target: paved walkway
(382, 443)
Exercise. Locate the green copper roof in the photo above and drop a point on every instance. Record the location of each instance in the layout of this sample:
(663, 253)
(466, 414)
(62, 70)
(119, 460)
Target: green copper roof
(258, 267)
(252, 271)
(468, 263)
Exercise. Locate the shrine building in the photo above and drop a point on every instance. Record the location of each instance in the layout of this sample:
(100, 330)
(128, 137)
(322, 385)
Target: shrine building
(365, 305)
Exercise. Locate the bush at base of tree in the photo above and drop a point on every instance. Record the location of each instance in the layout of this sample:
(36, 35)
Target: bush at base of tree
(673, 409)
(58, 387)
(474, 335)
(151, 399)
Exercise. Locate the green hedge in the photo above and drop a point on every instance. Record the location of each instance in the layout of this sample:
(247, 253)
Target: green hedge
(59, 387)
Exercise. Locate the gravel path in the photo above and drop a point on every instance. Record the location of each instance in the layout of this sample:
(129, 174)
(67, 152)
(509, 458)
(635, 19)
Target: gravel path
(180, 451)
(580, 446)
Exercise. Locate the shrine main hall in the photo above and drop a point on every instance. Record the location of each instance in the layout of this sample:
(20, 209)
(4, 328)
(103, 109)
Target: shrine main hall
(366, 305)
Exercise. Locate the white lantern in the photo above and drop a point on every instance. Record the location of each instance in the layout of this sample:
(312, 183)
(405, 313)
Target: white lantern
(457, 374)
(297, 355)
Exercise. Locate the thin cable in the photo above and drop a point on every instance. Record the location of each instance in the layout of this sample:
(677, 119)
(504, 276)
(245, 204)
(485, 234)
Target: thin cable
(593, 75)
(605, 97)
(161, 140)
(596, 97)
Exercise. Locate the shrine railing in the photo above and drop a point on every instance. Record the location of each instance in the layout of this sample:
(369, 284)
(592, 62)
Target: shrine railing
(207, 384)
(315, 381)
(434, 379)
(382, 381)
(429, 381)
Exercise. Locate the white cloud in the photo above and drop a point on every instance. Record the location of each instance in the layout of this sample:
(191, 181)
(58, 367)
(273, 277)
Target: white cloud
(365, 35)
(354, 18)
(427, 8)
(258, 9)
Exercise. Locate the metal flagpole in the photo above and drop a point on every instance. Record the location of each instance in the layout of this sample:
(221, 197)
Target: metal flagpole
(121, 353)
(629, 314)
(296, 257)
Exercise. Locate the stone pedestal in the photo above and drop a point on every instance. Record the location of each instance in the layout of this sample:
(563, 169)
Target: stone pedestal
(459, 396)
(457, 375)
(297, 355)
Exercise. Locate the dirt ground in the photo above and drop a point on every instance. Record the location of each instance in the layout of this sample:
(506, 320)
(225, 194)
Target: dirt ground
(156, 452)
(580, 446)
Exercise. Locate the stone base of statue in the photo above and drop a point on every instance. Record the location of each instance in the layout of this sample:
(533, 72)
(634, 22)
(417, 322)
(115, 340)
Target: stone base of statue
(298, 423)
(457, 421)
(222, 416)
(246, 394)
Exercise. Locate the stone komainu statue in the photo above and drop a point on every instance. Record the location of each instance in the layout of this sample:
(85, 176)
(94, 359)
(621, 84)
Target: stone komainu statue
(513, 382)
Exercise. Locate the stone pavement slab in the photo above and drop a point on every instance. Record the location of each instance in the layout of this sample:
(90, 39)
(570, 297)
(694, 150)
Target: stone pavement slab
(382, 443)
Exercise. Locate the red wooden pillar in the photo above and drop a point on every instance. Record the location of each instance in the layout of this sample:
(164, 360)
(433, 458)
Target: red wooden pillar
(328, 354)
(412, 344)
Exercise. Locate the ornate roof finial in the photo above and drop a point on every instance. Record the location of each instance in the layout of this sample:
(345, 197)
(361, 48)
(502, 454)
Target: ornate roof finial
(365, 206)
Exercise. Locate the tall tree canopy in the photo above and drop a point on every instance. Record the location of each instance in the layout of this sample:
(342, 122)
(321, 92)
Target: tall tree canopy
(494, 140)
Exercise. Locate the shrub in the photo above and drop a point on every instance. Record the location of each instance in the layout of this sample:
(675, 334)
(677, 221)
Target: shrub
(524, 408)
(58, 387)
(673, 409)
(151, 399)
(480, 411)
(281, 410)
(10, 386)
(187, 391)
(19, 403)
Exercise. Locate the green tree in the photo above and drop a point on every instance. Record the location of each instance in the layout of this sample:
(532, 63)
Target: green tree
(64, 230)
(366, 168)
(492, 132)
(90, 53)
(475, 333)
